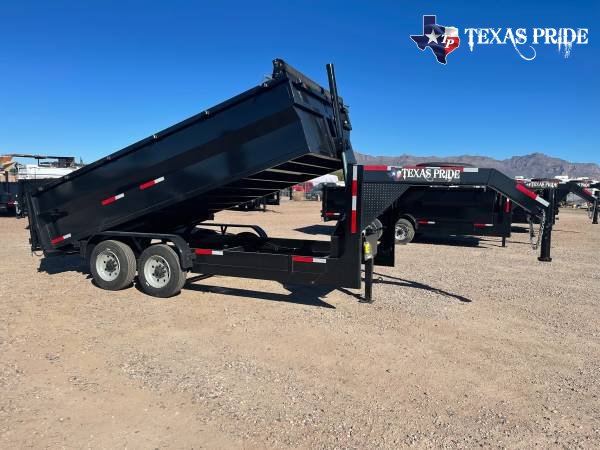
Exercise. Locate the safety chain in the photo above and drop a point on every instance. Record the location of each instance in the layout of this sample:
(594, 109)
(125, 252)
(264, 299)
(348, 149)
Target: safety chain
(535, 243)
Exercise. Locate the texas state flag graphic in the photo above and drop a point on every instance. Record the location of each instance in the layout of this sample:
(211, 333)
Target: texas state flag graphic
(440, 39)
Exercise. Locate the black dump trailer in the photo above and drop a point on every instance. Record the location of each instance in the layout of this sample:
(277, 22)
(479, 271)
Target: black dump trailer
(147, 208)
(8, 194)
(440, 210)
(557, 192)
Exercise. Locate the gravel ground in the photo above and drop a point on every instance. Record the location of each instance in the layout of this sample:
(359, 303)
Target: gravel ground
(465, 346)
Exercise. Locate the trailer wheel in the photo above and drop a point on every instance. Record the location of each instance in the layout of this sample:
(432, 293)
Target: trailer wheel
(112, 264)
(159, 272)
(376, 227)
(404, 232)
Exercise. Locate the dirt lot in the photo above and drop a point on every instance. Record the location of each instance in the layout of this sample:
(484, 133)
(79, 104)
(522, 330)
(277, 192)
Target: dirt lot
(465, 345)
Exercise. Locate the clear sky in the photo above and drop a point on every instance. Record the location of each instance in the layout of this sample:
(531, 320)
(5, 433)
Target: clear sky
(86, 78)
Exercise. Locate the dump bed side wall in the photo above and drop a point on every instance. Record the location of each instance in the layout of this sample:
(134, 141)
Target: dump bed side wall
(140, 188)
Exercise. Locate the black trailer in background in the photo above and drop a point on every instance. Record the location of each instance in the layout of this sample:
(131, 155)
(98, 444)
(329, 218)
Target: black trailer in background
(8, 193)
(12, 194)
(441, 211)
(147, 208)
(559, 191)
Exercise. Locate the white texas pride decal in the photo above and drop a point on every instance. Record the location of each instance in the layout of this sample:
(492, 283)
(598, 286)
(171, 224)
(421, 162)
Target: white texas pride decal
(426, 173)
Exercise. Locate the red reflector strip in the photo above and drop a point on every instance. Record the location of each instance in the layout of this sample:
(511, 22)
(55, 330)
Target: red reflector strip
(109, 200)
(151, 183)
(526, 191)
(483, 225)
(426, 222)
(331, 214)
(208, 251)
(58, 239)
(377, 168)
(507, 206)
(308, 259)
(353, 223)
(532, 195)
(353, 215)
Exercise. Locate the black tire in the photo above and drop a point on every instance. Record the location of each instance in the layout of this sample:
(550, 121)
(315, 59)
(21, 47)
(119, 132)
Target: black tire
(159, 271)
(404, 231)
(112, 264)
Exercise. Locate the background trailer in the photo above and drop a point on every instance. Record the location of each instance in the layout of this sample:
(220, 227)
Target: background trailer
(440, 210)
(560, 191)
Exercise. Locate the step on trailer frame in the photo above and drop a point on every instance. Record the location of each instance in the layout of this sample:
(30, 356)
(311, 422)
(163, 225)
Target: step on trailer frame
(148, 207)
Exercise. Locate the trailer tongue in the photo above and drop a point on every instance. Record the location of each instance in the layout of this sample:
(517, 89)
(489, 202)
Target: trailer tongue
(165, 187)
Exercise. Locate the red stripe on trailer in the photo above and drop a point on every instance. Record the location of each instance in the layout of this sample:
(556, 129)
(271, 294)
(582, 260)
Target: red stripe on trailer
(151, 183)
(308, 259)
(587, 191)
(305, 259)
(526, 191)
(58, 239)
(377, 168)
(208, 251)
(353, 215)
(114, 198)
(461, 169)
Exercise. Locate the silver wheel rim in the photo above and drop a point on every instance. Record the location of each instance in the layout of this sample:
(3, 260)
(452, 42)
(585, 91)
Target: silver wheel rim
(157, 271)
(401, 233)
(107, 265)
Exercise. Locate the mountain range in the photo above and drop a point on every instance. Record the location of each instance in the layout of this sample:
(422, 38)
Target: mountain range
(534, 165)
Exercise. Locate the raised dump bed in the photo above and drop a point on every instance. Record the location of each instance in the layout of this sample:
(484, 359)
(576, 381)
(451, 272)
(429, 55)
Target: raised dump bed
(275, 135)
